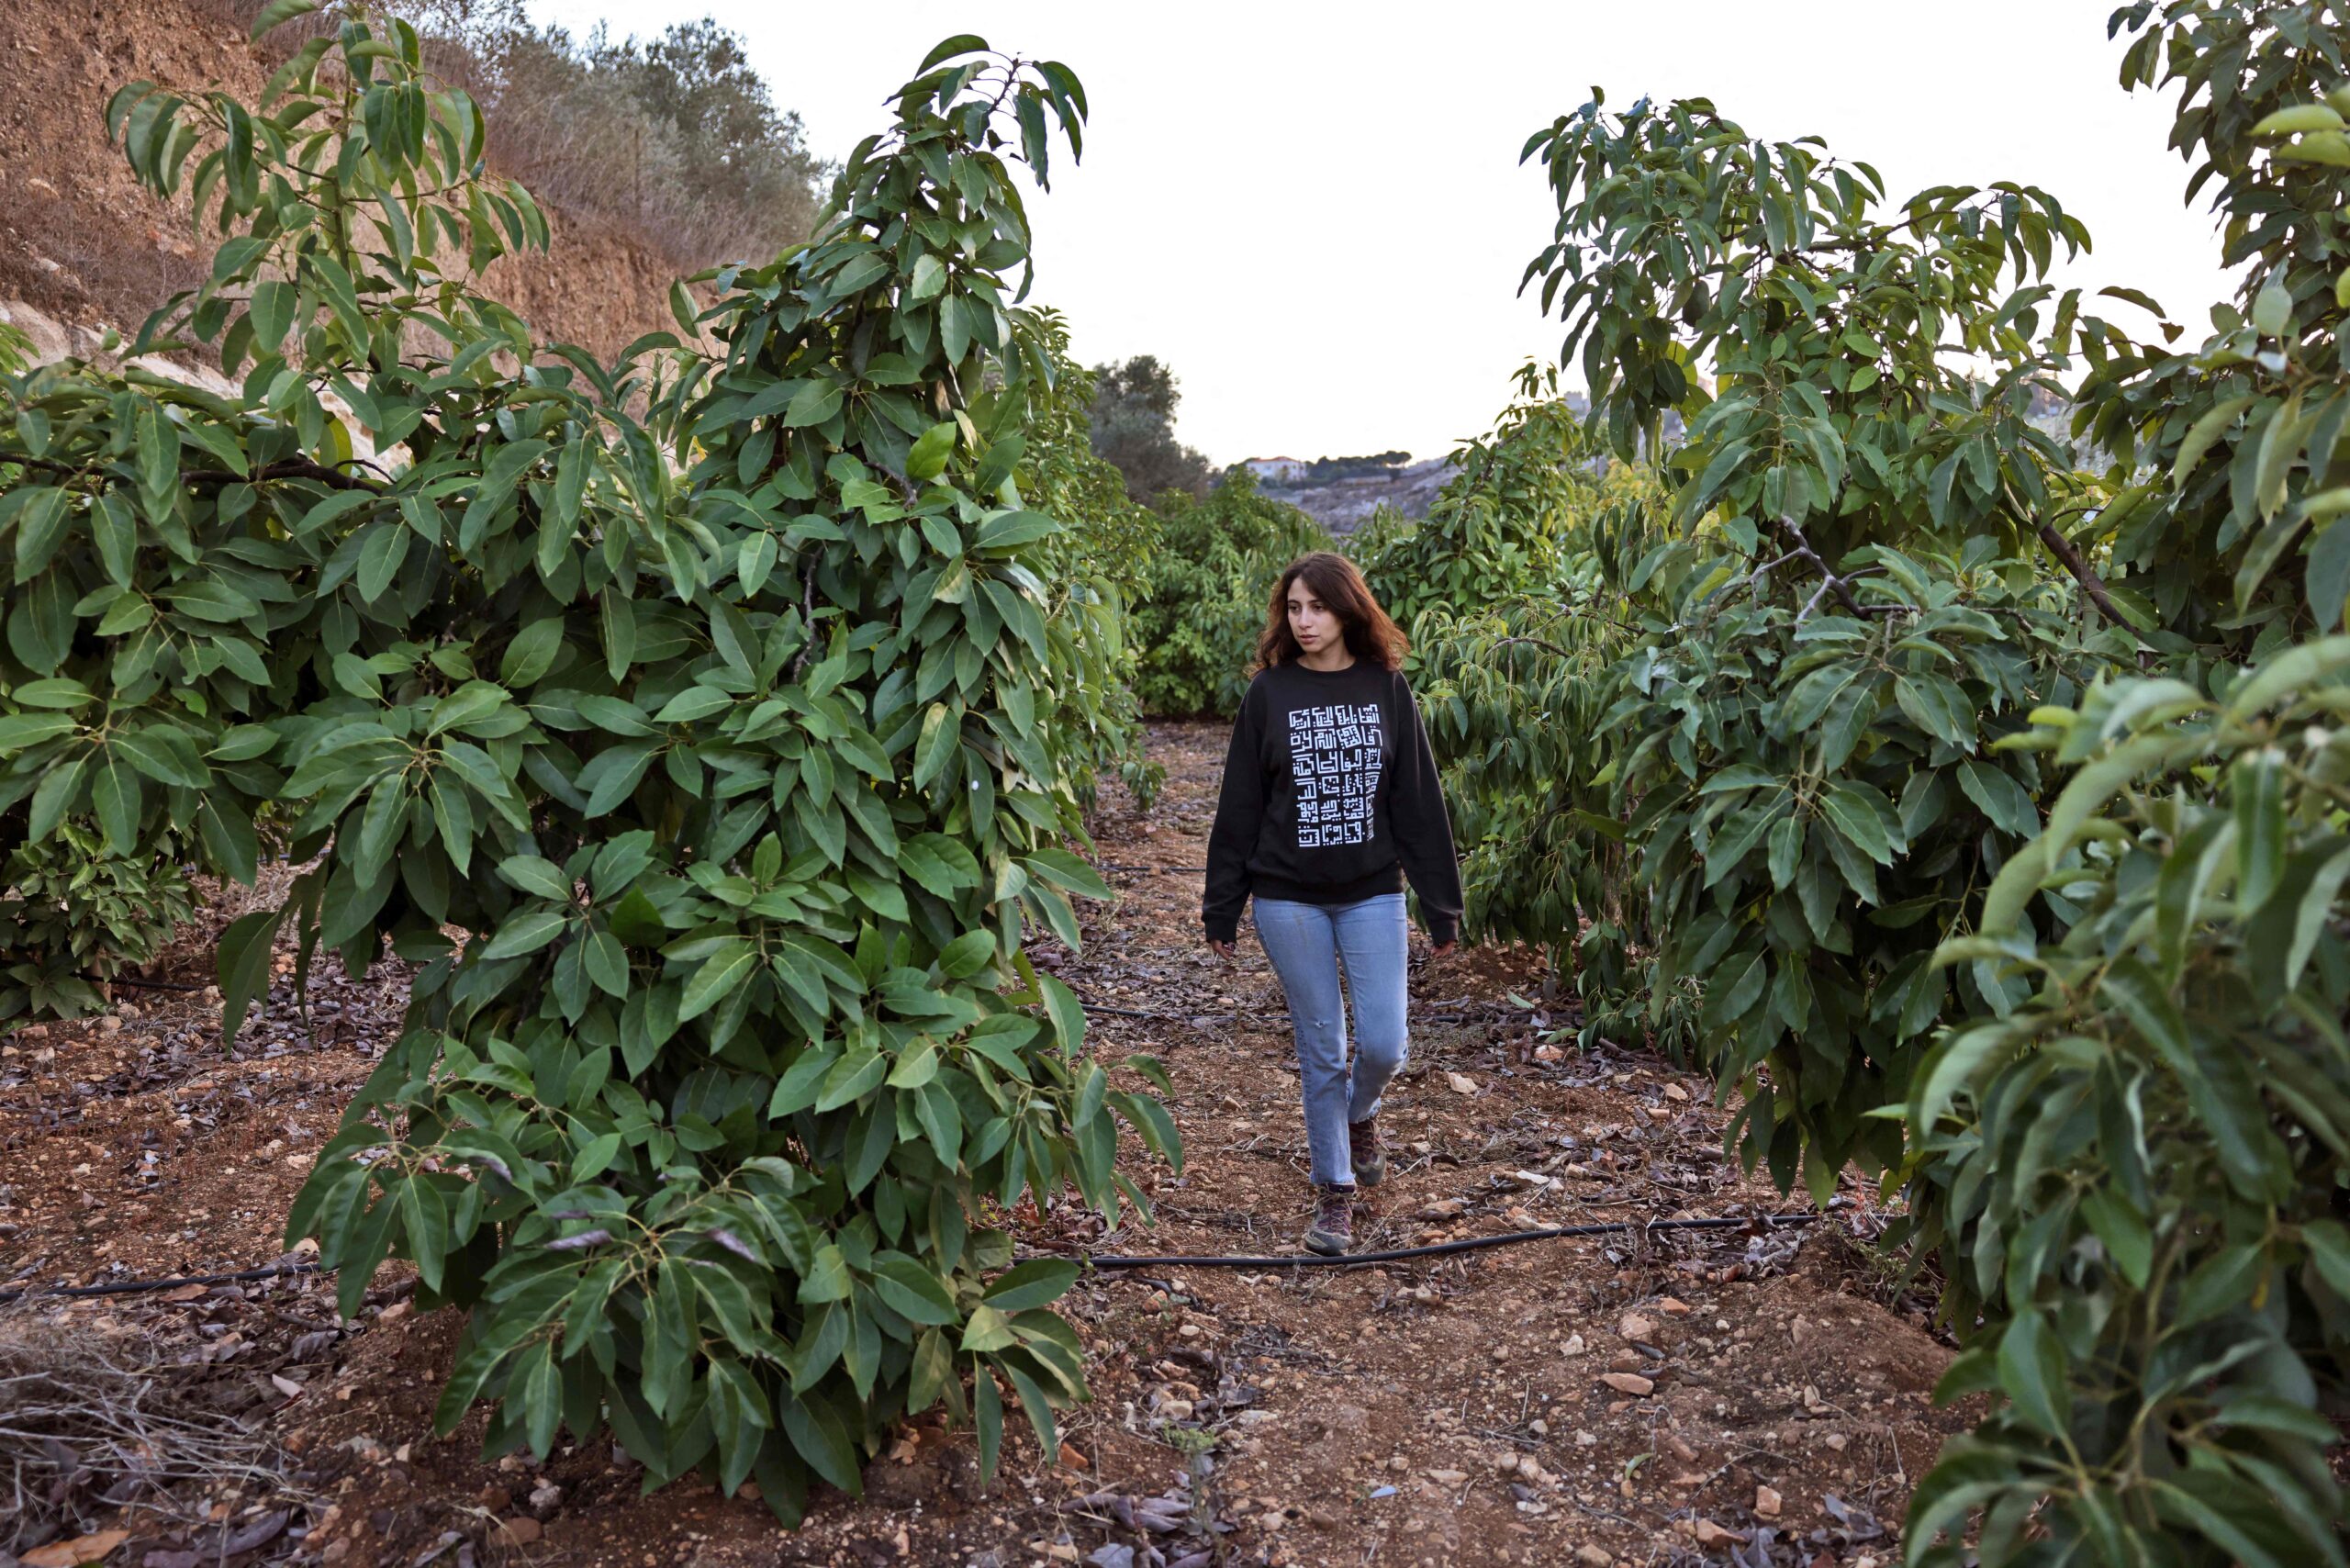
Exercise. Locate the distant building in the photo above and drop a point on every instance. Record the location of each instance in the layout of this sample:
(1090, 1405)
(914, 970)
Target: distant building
(1280, 470)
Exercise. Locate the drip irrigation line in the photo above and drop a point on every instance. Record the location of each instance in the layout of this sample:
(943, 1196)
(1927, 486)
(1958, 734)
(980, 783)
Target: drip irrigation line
(1096, 1260)
(1438, 1249)
(135, 1287)
(1155, 870)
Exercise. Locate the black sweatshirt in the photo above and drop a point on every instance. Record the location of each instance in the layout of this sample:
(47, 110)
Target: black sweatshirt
(1330, 796)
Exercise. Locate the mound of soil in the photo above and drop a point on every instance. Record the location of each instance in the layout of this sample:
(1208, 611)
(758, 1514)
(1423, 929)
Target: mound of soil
(1715, 1396)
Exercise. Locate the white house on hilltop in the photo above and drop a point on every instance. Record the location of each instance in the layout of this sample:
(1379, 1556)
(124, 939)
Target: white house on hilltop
(1279, 470)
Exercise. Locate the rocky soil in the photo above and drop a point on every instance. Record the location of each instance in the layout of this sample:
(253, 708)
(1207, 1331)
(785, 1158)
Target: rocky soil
(1723, 1397)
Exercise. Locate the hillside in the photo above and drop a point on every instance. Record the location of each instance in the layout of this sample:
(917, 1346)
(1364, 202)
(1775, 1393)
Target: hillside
(82, 246)
(1346, 504)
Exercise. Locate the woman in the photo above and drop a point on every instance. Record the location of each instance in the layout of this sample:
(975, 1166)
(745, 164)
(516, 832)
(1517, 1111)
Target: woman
(1330, 799)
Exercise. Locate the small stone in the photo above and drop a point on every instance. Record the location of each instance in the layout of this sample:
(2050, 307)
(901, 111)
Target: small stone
(1175, 1409)
(1574, 1347)
(1681, 1449)
(1189, 1332)
(1674, 1091)
(1448, 1477)
(545, 1497)
(1443, 1208)
(1070, 1458)
(1837, 1441)
(1629, 1382)
(1594, 1556)
(1767, 1503)
(521, 1531)
(1587, 1440)
(1675, 1305)
(1712, 1534)
(1506, 1461)
(1635, 1326)
(497, 1499)
(1460, 1083)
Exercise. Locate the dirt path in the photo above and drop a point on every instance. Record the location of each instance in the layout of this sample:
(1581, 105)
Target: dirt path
(1665, 1399)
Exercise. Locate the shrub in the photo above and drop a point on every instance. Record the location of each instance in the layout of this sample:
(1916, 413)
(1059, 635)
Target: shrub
(1500, 528)
(76, 913)
(1197, 624)
(733, 778)
(1133, 430)
(2135, 1174)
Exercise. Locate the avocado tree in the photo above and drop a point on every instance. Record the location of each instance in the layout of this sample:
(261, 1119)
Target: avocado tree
(680, 719)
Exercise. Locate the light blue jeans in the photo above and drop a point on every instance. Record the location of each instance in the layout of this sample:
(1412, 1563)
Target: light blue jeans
(1308, 943)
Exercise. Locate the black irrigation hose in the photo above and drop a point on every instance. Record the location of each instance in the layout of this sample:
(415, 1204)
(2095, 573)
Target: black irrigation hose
(1156, 871)
(1099, 1261)
(1474, 1243)
(135, 1287)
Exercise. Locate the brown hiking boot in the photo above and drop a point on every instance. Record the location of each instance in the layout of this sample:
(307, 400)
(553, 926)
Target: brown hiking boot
(1333, 1230)
(1369, 1159)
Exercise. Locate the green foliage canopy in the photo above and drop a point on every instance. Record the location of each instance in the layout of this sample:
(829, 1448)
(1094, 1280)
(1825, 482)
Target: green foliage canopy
(734, 778)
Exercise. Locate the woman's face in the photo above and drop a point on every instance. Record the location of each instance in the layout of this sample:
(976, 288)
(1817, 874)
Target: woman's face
(1315, 624)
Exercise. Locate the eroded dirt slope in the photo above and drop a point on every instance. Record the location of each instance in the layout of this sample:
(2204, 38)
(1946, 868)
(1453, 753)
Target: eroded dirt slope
(83, 244)
(1668, 1398)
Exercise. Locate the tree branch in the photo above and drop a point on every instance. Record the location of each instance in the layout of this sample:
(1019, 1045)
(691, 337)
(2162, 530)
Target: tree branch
(2065, 551)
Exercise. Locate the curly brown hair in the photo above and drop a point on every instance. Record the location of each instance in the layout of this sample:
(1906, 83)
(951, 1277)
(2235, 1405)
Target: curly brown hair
(1339, 584)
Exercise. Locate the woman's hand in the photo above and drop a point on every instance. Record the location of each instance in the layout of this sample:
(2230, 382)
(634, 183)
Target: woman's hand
(1224, 950)
(1442, 949)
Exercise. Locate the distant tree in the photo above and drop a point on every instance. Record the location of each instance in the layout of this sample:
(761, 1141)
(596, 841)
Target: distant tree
(739, 149)
(1134, 431)
(1378, 464)
(675, 137)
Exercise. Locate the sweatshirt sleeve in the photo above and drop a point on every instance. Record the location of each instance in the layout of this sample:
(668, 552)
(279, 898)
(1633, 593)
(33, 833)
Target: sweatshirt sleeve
(1423, 830)
(1239, 812)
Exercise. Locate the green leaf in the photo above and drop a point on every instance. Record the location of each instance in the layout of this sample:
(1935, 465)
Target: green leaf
(731, 966)
(2272, 309)
(2329, 1248)
(1067, 1012)
(961, 43)
(2032, 1374)
(277, 13)
(816, 402)
(927, 457)
(988, 1330)
(1998, 795)
(2123, 1230)
(527, 932)
(535, 874)
(115, 793)
(2258, 780)
(244, 966)
(913, 1292)
(1856, 820)
(1040, 1282)
(817, 1433)
(2204, 433)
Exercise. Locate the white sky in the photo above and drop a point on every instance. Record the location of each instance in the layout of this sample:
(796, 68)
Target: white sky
(1314, 212)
